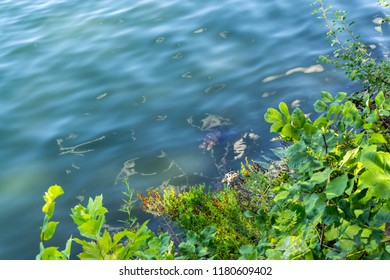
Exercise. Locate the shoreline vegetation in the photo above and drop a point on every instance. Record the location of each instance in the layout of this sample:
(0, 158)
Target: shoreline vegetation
(327, 197)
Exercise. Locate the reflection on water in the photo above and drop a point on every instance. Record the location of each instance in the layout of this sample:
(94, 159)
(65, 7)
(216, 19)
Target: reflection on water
(317, 68)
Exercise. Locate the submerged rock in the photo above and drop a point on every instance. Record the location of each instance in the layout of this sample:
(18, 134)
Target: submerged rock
(215, 136)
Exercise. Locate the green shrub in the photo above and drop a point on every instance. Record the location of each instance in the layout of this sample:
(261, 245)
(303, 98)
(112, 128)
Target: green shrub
(197, 209)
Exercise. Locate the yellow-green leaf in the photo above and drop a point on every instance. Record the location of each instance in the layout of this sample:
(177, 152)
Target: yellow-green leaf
(49, 197)
(49, 230)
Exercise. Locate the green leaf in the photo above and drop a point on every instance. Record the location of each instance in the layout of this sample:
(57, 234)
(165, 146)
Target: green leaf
(48, 232)
(282, 195)
(289, 131)
(208, 234)
(380, 100)
(321, 122)
(332, 234)
(298, 118)
(351, 154)
(378, 181)
(340, 97)
(320, 177)
(68, 247)
(203, 251)
(277, 126)
(309, 128)
(187, 248)
(320, 106)
(337, 186)
(105, 243)
(118, 237)
(377, 138)
(313, 203)
(352, 231)
(377, 174)
(331, 215)
(95, 206)
(326, 97)
(347, 245)
(52, 253)
(191, 237)
(272, 115)
(284, 109)
(248, 252)
(273, 254)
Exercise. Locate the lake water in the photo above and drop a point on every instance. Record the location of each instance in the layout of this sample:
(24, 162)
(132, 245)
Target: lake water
(94, 92)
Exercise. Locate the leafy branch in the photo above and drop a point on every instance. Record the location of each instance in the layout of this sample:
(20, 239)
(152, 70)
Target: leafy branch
(353, 55)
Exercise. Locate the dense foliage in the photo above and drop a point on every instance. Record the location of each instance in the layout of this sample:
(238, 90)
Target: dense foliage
(326, 197)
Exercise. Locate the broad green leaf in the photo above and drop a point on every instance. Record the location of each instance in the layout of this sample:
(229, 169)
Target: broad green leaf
(331, 215)
(366, 233)
(352, 231)
(248, 252)
(208, 234)
(299, 146)
(272, 115)
(289, 131)
(326, 97)
(321, 122)
(377, 138)
(298, 118)
(347, 245)
(379, 160)
(49, 230)
(380, 100)
(332, 234)
(337, 186)
(320, 106)
(377, 174)
(348, 155)
(334, 110)
(340, 96)
(312, 203)
(378, 181)
(310, 128)
(371, 119)
(191, 237)
(273, 254)
(320, 177)
(187, 248)
(284, 109)
(282, 195)
(52, 253)
(358, 212)
(277, 126)
(91, 228)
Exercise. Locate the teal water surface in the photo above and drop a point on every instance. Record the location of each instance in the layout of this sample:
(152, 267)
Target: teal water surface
(95, 92)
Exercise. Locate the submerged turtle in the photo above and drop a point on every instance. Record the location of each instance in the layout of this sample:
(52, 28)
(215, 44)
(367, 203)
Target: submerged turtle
(214, 136)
